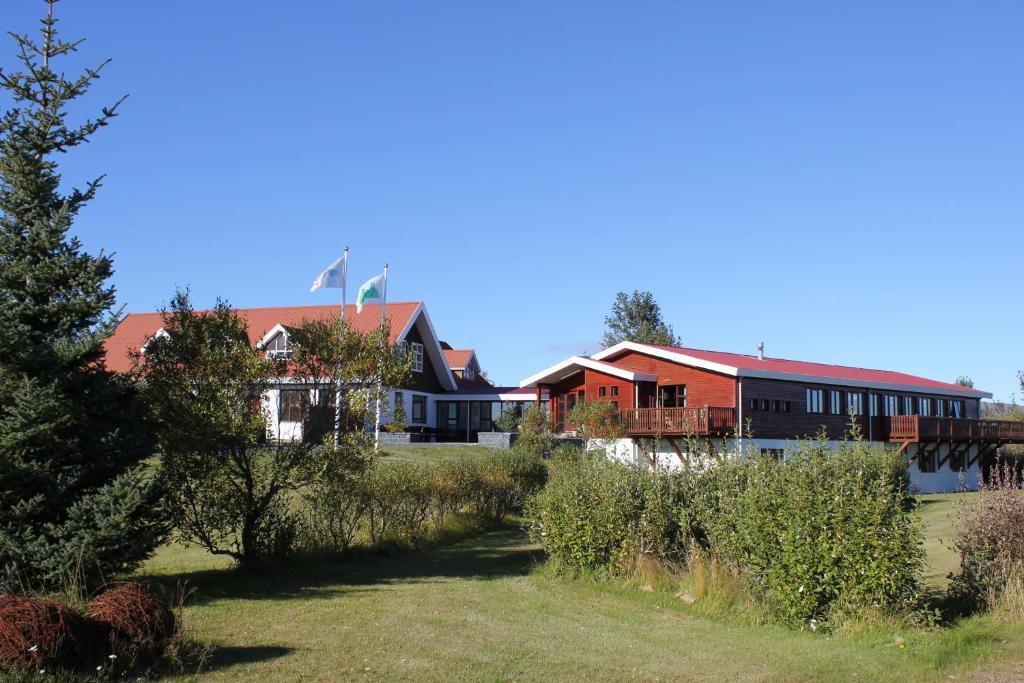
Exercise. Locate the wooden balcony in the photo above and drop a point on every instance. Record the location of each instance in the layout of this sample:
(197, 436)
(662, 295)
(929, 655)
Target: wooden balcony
(915, 428)
(706, 421)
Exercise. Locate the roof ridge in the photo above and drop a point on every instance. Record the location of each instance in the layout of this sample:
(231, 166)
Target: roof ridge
(276, 308)
(788, 360)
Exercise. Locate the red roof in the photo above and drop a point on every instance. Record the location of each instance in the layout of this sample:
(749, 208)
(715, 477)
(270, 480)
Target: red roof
(457, 358)
(137, 328)
(835, 372)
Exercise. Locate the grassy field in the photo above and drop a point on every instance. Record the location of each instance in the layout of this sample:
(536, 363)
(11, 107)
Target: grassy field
(486, 609)
(938, 513)
(430, 453)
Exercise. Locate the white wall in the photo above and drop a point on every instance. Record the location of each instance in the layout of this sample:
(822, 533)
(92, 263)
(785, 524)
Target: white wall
(944, 480)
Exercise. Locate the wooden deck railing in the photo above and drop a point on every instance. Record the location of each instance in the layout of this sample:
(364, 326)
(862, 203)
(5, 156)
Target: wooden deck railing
(919, 428)
(675, 421)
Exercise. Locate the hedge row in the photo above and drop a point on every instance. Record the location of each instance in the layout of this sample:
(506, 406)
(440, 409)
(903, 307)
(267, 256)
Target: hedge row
(813, 534)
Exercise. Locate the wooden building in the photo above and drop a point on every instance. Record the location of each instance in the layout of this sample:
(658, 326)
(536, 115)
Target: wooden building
(668, 396)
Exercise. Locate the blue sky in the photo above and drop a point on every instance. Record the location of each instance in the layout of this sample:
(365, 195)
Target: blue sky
(841, 180)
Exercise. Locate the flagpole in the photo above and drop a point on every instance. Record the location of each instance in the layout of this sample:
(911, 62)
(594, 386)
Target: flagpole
(341, 336)
(380, 379)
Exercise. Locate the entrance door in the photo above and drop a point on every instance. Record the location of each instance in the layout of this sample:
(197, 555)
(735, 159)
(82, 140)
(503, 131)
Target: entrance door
(647, 395)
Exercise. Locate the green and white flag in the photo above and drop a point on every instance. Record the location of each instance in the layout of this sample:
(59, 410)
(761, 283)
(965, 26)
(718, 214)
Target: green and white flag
(372, 292)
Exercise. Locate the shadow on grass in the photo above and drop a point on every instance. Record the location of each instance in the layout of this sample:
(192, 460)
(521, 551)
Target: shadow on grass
(228, 656)
(502, 551)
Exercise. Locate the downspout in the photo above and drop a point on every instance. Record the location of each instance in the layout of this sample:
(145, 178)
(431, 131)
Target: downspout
(739, 413)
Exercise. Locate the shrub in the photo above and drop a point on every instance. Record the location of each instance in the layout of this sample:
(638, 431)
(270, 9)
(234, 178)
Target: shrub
(406, 502)
(813, 536)
(139, 624)
(43, 634)
(508, 421)
(535, 432)
(598, 514)
(990, 540)
(817, 533)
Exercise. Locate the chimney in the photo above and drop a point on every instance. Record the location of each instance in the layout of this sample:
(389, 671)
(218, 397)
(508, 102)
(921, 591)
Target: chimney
(760, 350)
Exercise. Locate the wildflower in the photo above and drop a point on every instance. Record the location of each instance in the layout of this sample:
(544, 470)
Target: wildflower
(111, 656)
(33, 648)
(99, 668)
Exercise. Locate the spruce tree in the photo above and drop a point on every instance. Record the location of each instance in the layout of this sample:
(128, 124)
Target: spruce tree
(637, 317)
(75, 495)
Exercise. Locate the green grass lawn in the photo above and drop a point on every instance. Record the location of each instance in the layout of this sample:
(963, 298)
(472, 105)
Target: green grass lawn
(485, 609)
(938, 513)
(429, 453)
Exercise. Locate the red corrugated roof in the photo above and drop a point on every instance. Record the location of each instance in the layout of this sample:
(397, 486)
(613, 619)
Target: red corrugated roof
(457, 358)
(137, 328)
(797, 367)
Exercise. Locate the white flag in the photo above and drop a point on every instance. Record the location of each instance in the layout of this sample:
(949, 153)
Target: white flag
(372, 292)
(334, 276)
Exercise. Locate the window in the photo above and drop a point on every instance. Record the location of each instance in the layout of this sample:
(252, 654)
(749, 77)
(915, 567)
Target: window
(855, 402)
(958, 461)
(754, 404)
(399, 401)
(467, 373)
(924, 406)
(417, 356)
(873, 404)
(927, 462)
(835, 406)
(673, 396)
(280, 347)
(764, 404)
(815, 400)
(602, 392)
(940, 407)
(908, 405)
(775, 405)
(784, 406)
(291, 404)
(956, 408)
(615, 406)
(419, 409)
(615, 391)
(891, 406)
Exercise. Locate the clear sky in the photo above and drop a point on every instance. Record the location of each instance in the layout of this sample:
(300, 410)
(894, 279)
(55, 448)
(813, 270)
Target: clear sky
(844, 181)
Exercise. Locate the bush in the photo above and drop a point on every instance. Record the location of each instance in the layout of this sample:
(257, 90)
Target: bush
(39, 634)
(535, 432)
(140, 625)
(816, 534)
(598, 514)
(813, 536)
(508, 421)
(990, 540)
(402, 502)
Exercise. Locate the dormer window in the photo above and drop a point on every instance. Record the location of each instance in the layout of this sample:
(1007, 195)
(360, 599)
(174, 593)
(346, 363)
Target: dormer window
(467, 373)
(417, 356)
(280, 347)
(159, 334)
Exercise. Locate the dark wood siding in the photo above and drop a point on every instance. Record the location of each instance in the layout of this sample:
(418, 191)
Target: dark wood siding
(799, 423)
(427, 380)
